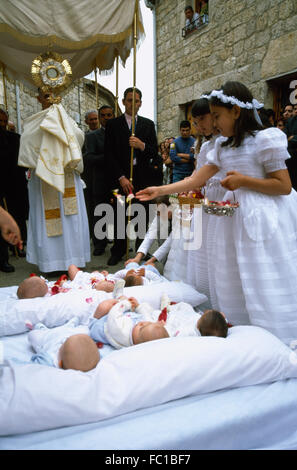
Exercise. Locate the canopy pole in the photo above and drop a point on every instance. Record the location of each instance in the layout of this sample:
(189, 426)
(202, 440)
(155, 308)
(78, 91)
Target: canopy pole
(117, 87)
(133, 118)
(4, 86)
(96, 88)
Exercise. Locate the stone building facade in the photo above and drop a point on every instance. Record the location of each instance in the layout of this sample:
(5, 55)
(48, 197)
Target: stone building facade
(252, 41)
(79, 98)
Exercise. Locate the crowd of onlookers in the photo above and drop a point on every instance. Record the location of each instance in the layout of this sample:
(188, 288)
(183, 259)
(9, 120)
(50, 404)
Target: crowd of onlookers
(269, 119)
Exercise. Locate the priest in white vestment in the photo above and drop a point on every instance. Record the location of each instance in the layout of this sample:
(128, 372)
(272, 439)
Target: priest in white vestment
(58, 230)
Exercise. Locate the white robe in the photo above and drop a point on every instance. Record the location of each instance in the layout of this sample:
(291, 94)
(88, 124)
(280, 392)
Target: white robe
(47, 135)
(57, 253)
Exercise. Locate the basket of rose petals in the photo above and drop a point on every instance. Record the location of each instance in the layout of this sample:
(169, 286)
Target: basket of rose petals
(226, 208)
(192, 198)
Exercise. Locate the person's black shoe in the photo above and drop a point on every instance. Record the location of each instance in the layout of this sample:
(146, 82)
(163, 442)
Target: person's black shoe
(98, 251)
(113, 260)
(17, 252)
(7, 268)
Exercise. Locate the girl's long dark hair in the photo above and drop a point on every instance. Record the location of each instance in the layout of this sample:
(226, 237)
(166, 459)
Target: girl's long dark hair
(246, 123)
(201, 106)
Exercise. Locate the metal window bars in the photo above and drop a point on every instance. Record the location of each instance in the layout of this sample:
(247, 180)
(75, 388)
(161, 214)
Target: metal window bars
(198, 23)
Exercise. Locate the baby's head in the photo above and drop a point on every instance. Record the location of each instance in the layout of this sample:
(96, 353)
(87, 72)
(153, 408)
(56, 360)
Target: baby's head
(32, 287)
(148, 331)
(106, 286)
(213, 323)
(134, 278)
(79, 352)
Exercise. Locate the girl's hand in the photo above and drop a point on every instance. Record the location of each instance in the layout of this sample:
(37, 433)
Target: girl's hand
(137, 259)
(148, 193)
(232, 181)
(131, 260)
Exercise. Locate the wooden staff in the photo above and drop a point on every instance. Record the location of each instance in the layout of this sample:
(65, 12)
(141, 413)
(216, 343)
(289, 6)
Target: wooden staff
(4, 85)
(117, 88)
(133, 118)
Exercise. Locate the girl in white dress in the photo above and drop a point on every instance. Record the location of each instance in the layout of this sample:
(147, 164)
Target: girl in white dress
(199, 261)
(256, 249)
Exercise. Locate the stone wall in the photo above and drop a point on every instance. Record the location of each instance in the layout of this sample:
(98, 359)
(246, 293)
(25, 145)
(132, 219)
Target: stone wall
(246, 40)
(79, 98)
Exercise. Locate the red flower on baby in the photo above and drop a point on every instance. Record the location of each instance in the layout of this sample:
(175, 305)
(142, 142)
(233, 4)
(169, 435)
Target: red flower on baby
(61, 279)
(55, 290)
(163, 315)
(89, 300)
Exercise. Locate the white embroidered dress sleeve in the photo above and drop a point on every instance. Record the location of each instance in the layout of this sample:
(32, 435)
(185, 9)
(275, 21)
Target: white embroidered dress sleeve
(150, 236)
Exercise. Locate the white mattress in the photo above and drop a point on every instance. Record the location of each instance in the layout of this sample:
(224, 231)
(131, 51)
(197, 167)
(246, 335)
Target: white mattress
(196, 404)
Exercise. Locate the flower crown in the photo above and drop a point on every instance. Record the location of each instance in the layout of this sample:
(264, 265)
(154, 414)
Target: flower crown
(232, 100)
(254, 105)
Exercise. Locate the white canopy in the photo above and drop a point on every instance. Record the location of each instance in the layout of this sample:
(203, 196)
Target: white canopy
(88, 33)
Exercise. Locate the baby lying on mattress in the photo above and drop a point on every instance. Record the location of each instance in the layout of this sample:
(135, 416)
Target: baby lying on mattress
(53, 311)
(125, 322)
(133, 275)
(68, 346)
(120, 323)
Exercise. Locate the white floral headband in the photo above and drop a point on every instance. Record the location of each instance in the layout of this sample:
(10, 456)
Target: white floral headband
(232, 100)
(254, 105)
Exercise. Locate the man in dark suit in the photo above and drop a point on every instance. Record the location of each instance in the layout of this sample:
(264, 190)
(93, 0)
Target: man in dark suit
(291, 131)
(13, 188)
(94, 175)
(118, 143)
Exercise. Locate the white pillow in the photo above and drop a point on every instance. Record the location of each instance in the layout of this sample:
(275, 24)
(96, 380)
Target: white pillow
(35, 397)
(177, 292)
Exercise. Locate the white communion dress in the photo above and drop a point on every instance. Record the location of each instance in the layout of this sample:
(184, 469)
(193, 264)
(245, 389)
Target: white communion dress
(200, 260)
(255, 252)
